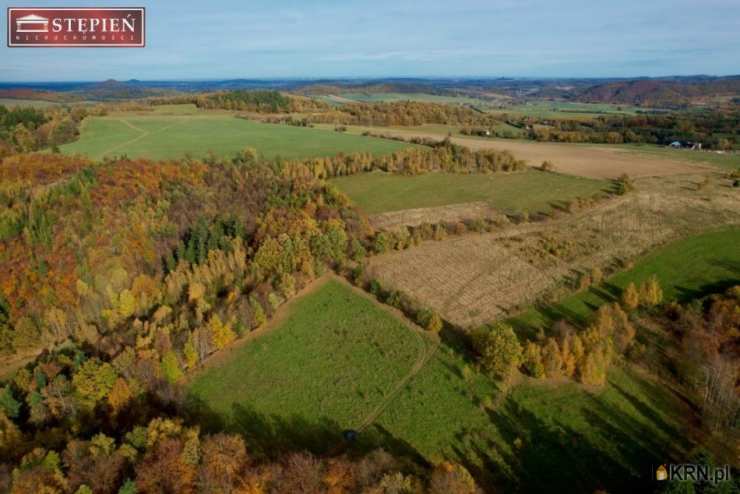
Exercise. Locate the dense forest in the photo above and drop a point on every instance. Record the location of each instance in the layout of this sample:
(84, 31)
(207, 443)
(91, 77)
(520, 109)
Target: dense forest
(29, 129)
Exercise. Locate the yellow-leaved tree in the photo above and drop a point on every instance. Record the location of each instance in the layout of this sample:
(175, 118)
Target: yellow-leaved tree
(221, 334)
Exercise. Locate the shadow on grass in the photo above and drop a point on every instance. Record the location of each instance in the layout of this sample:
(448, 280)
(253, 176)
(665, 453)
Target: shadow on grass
(610, 449)
(272, 436)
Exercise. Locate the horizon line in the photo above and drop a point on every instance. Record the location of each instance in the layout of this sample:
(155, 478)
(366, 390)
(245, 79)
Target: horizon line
(372, 78)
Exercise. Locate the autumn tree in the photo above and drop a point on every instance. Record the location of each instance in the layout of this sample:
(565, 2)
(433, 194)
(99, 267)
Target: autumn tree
(498, 348)
(163, 469)
(223, 459)
(258, 313)
(93, 381)
(630, 297)
(448, 478)
(552, 359)
(119, 395)
(190, 352)
(532, 360)
(651, 294)
(597, 275)
(171, 367)
(624, 331)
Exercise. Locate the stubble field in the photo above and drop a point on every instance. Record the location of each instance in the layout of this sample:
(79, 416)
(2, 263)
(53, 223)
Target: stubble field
(474, 279)
(592, 161)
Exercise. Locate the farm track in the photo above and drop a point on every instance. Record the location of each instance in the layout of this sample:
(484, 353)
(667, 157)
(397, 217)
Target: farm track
(145, 133)
(428, 348)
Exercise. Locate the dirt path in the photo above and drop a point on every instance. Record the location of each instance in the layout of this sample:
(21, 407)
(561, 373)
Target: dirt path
(430, 348)
(145, 133)
(132, 126)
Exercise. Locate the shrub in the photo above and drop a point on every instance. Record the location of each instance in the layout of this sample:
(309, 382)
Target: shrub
(498, 348)
(429, 320)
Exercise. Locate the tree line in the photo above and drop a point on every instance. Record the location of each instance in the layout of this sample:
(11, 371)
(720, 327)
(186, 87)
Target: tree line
(713, 129)
(24, 130)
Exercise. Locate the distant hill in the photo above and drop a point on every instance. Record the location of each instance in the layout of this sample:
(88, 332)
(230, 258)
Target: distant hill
(664, 92)
(669, 93)
(114, 90)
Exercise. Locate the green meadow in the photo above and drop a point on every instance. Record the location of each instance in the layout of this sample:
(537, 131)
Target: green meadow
(728, 161)
(567, 110)
(338, 356)
(184, 132)
(687, 269)
(334, 357)
(532, 190)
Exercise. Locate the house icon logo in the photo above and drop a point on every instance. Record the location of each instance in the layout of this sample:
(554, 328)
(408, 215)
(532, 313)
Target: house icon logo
(32, 24)
(661, 473)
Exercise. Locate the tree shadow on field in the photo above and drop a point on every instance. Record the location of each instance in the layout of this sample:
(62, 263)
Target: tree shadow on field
(540, 452)
(685, 294)
(551, 313)
(272, 436)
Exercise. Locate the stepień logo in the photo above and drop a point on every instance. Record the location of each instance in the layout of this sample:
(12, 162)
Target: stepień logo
(118, 27)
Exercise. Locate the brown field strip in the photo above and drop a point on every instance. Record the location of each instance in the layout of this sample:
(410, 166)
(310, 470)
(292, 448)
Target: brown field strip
(573, 159)
(476, 278)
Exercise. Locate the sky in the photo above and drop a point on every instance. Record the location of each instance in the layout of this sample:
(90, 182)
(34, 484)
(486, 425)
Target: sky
(219, 39)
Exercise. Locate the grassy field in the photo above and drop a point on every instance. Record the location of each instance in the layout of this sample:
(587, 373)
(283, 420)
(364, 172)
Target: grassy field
(627, 425)
(687, 269)
(422, 97)
(332, 360)
(174, 136)
(337, 354)
(526, 191)
(727, 161)
(566, 110)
